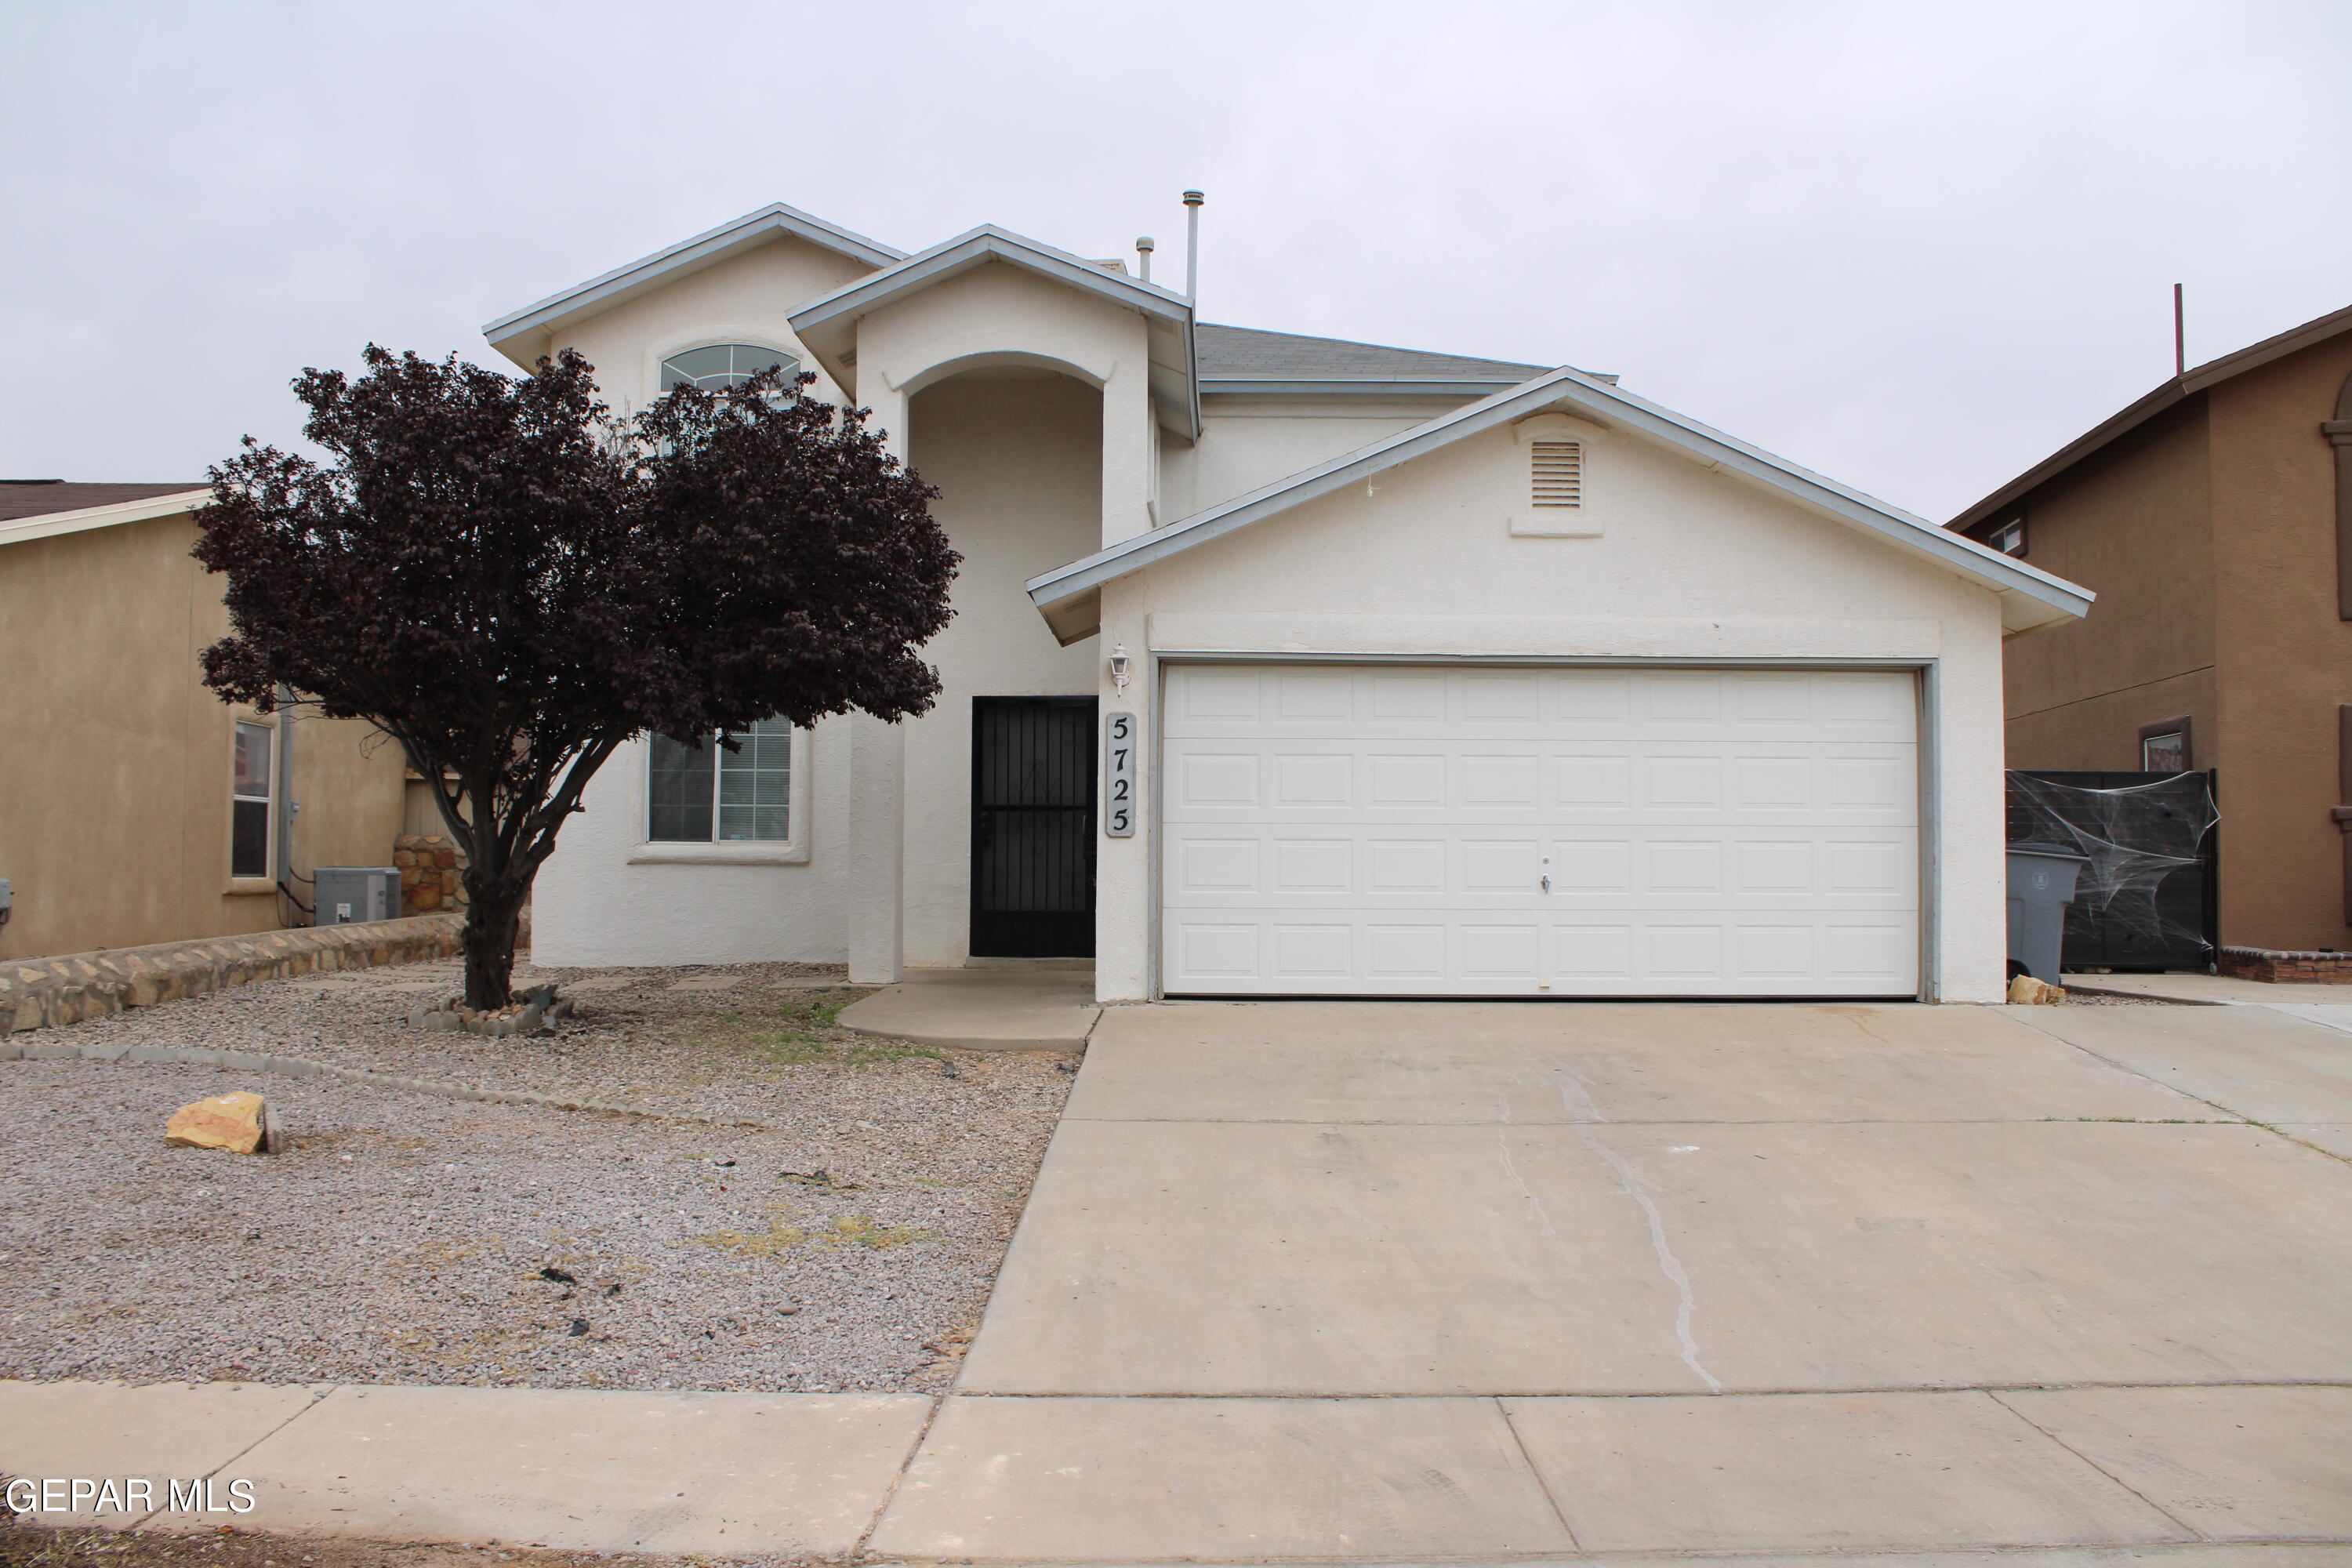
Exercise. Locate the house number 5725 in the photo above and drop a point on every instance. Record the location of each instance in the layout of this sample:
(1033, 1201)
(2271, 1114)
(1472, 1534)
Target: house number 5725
(1119, 776)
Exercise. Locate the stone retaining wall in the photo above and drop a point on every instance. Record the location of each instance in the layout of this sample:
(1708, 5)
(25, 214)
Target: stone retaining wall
(432, 873)
(37, 993)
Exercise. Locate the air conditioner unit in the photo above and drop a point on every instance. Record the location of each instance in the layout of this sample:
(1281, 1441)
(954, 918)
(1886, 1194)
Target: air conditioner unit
(350, 893)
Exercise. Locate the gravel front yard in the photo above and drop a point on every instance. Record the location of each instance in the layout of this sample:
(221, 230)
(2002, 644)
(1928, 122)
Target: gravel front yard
(846, 1242)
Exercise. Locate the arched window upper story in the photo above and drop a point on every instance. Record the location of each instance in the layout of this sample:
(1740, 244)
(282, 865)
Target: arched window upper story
(721, 366)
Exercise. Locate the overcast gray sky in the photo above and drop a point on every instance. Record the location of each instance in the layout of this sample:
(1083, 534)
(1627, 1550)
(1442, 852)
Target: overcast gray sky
(1914, 247)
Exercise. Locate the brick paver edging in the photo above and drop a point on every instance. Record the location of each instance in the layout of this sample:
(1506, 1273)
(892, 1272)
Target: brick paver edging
(37, 993)
(2280, 966)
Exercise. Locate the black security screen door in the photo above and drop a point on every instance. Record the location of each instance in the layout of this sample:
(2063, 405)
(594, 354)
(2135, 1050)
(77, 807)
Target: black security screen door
(1032, 828)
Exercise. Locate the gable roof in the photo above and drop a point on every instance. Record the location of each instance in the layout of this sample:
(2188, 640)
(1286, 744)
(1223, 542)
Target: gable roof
(745, 233)
(2180, 389)
(1069, 597)
(41, 510)
(827, 323)
(1247, 359)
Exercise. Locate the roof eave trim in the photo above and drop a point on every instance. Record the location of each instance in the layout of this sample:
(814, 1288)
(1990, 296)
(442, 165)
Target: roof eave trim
(950, 257)
(605, 287)
(1355, 386)
(48, 525)
(2002, 572)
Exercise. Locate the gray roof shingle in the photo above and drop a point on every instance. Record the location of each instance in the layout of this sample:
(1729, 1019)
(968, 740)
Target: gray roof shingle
(1247, 353)
(21, 499)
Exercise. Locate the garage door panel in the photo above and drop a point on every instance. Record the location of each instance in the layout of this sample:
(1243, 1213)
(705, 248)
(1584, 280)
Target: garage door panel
(1468, 870)
(1544, 783)
(1636, 705)
(1405, 832)
(1778, 954)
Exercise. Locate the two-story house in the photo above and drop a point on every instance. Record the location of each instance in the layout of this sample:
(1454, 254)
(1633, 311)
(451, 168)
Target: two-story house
(2214, 519)
(1285, 666)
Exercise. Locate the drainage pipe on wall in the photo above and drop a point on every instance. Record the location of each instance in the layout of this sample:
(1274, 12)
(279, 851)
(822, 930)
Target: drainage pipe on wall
(284, 844)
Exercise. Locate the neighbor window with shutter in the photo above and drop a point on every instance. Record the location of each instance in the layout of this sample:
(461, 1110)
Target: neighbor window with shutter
(706, 793)
(1557, 474)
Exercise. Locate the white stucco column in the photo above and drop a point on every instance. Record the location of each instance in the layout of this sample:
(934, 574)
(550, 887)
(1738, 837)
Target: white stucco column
(876, 881)
(1123, 891)
(1127, 449)
(878, 772)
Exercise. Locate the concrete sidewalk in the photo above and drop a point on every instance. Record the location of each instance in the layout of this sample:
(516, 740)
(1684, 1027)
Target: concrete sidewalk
(2180, 1475)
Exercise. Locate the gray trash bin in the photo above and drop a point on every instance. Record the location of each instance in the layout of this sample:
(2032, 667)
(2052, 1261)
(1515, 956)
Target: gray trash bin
(2040, 886)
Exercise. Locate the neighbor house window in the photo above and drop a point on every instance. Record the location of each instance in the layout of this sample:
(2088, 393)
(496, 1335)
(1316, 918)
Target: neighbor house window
(2164, 748)
(249, 834)
(2010, 537)
(706, 793)
(722, 365)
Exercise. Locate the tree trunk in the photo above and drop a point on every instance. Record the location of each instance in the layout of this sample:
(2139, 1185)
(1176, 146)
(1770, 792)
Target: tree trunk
(492, 924)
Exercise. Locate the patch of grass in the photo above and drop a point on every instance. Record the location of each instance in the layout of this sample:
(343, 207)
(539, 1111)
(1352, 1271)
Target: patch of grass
(807, 1033)
(782, 1236)
(785, 1234)
(863, 1230)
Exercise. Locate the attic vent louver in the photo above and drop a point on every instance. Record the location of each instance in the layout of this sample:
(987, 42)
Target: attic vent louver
(1556, 473)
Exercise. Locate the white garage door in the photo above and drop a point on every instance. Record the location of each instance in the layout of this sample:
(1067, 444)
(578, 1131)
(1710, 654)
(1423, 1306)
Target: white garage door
(1391, 830)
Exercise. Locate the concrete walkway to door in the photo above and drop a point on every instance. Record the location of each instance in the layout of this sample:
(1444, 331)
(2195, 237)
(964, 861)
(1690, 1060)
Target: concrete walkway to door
(1386, 1279)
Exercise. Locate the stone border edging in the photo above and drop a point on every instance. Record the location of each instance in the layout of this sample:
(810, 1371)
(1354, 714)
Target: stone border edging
(46, 993)
(303, 1067)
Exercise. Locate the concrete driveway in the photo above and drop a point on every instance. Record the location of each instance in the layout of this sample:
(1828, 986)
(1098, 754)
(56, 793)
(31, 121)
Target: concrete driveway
(1333, 1279)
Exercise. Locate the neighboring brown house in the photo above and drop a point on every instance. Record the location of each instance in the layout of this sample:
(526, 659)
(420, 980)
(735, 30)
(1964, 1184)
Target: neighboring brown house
(135, 806)
(2213, 518)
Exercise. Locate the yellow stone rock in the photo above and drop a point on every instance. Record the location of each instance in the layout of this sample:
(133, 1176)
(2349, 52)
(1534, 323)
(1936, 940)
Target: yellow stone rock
(238, 1122)
(2026, 991)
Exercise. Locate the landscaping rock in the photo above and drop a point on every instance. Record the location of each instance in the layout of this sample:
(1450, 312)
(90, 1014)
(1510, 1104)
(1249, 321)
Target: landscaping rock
(238, 1122)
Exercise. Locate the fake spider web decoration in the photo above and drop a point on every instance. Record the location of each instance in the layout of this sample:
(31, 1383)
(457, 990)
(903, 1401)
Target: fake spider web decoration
(2133, 837)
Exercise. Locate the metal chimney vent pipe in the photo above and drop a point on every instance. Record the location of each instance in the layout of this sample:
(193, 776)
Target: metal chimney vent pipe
(1192, 200)
(1143, 248)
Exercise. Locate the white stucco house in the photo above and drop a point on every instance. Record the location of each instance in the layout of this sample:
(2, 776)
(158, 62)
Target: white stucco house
(1284, 666)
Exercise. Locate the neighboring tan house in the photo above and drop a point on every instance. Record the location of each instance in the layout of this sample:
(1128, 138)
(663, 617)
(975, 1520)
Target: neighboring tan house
(2214, 519)
(1283, 666)
(135, 806)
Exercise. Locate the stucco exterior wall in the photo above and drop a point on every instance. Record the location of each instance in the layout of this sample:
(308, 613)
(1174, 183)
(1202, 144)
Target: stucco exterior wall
(2284, 654)
(1015, 459)
(1014, 454)
(1249, 441)
(606, 896)
(2133, 523)
(743, 300)
(115, 778)
(1689, 565)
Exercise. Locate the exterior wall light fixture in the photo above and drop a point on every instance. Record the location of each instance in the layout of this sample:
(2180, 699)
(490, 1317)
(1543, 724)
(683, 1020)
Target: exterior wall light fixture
(1118, 667)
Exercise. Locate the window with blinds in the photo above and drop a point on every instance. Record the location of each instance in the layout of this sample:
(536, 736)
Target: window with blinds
(1557, 474)
(706, 793)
